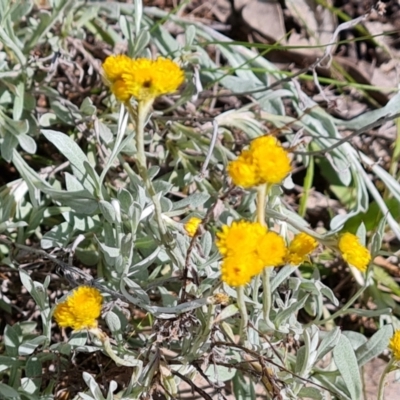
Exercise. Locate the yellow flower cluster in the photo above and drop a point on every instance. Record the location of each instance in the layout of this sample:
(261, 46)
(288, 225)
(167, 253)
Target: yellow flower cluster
(248, 247)
(394, 345)
(266, 161)
(353, 252)
(300, 247)
(80, 310)
(141, 78)
(192, 225)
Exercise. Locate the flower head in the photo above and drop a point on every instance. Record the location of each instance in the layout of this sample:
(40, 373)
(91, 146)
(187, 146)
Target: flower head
(300, 247)
(115, 67)
(394, 345)
(240, 237)
(80, 310)
(238, 244)
(239, 269)
(192, 225)
(271, 159)
(243, 171)
(248, 247)
(266, 161)
(141, 78)
(353, 252)
(272, 250)
(149, 79)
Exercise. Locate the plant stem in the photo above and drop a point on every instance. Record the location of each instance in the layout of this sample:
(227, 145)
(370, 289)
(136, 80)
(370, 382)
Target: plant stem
(261, 199)
(381, 387)
(262, 191)
(105, 340)
(344, 308)
(256, 284)
(243, 313)
(267, 301)
(140, 117)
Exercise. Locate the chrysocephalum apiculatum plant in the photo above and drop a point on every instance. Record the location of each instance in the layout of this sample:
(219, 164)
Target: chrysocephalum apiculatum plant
(225, 289)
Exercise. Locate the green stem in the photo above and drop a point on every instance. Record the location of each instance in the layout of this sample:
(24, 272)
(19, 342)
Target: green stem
(105, 340)
(261, 199)
(243, 313)
(108, 349)
(267, 301)
(140, 117)
(256, 284)
(262, 192)
(381, 387)
(344, 308)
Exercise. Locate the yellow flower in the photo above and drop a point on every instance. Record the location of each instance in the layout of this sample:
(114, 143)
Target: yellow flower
(239, 269)
(266, 161)
(141, 78)
(114, 68)
(248, 247)
(353, 252)
(300, 247)
(80, 310)
(149, 79)
(271, 159)
(272, 250)
(240, 237)
(394, 345)
(243, 171)
(192, 225)
(116, 65)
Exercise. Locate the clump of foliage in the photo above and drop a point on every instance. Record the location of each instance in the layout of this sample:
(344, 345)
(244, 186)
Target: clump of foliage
(169, 220)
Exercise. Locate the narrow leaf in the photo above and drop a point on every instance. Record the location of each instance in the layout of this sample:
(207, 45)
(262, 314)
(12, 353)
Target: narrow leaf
(346, 362)
(73, 153)
(378, 342)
